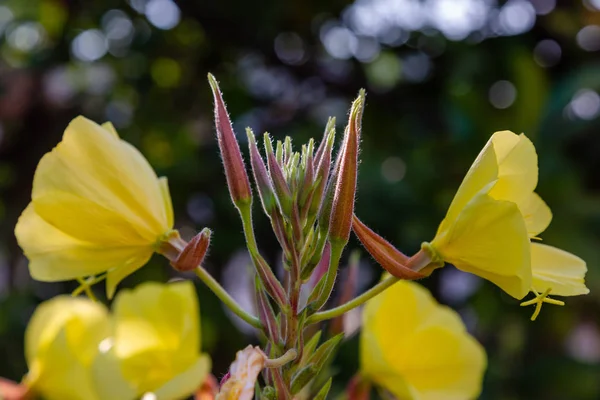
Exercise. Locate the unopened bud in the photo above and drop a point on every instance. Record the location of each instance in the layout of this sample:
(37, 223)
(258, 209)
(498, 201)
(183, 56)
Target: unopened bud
(267, 314)
(261, 176)
(282, 190)
(322, 171)
(194, 252)
(390, 258)
(235, 170)
(340, 223)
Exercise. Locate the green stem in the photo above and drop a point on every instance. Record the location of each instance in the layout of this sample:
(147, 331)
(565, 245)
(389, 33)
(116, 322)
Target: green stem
(222, 294)
(357, 301)
(246, 214)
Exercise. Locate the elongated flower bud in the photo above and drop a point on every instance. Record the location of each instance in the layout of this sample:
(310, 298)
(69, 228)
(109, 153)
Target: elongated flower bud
(193, 254)
(235, 170)
(266, 313)
(261, 176)
(390, 258)
(345, 186)
(282, 190)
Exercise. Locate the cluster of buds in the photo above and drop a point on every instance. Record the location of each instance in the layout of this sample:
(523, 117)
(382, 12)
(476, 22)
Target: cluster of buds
(309, 199)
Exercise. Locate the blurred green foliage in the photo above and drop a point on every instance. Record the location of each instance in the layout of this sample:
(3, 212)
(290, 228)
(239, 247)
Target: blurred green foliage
(434, 97)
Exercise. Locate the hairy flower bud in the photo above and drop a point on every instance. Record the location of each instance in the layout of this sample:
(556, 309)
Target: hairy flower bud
(390, 258)
(194, 252)
(340, 223)
(282, 190)
(261, 176)
(235, 170)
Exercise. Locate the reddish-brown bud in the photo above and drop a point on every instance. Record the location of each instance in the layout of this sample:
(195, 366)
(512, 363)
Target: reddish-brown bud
(322, 170)
(342, 209)
(194, 252)
(390, 258)
(235, 170)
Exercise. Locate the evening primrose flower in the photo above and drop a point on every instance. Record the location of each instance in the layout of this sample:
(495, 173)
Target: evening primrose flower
(96, 206)
(157, 340)
(62, 347)
(493, 216)
(416, 349)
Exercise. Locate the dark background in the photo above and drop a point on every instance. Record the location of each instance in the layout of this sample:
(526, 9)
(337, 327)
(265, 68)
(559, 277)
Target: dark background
(441, 76)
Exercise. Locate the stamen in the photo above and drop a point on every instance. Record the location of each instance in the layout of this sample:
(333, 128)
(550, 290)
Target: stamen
(539, 300)
(86, 284)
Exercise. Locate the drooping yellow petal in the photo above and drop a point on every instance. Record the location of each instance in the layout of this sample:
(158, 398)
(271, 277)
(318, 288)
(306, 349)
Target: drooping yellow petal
(156, 333)
(244, 372)
(417, 349)
(536, 213)
(489, 238)
(96, 203)
(55, 256)
(557, 269)
(187, 382)
(116, 275)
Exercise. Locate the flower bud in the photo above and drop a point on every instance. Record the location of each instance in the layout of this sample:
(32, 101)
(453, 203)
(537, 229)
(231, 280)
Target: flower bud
(282, 190)
(267, 314)
(390, 258)
(235, 170)
(340, 223)
(261, 176)
(322, 169)
(194, 252)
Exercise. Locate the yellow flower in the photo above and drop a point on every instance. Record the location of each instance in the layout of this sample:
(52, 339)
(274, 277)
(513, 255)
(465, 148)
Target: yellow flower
(243, 374)
(157, 339)
(96, 206)
(493, 215)
(417, 349)
(62, 345)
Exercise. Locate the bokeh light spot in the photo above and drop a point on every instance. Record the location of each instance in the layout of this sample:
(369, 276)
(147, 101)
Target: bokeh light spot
(585, 104)
(393, 169)
(588, 38)
(516, 17)
(502, 94)
(290, 48)
(166, 72)
(547, 53)
(163, 14)
(89, 45)
(26, 37)
(385, 72)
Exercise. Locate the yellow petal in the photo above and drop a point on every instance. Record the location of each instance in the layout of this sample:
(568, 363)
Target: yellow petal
(536, 213)
(87, 324)
(109, 127)
(108, 381)
(157, 333)
(91, 163)
(557, 269)
(417, 349)
(517, 167)
(166, 195)
(116, 275)
(61, 341)
(186, 382)
(489, 238)
(55, 256)
(482, 173)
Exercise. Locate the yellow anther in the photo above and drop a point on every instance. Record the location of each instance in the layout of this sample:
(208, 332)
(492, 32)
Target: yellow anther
(539, 300)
